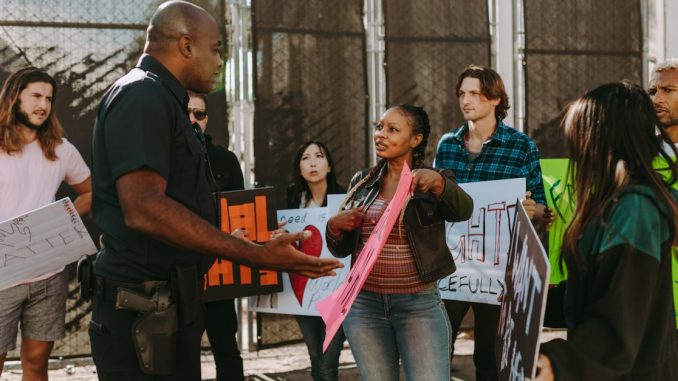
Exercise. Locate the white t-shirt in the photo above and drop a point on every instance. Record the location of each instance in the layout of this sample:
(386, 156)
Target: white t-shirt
(28, 180)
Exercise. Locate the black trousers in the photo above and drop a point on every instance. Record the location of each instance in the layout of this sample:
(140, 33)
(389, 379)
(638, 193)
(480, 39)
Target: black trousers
(485, 332)
(113, 351)
(221, 323)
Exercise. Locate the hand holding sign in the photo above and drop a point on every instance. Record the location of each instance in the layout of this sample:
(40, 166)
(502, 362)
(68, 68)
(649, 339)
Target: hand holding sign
(281, 255)
(425, 180)
(41, 241)
(346, 221)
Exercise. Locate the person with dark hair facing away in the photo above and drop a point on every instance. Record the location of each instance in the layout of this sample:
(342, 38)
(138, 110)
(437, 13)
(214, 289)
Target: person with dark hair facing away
(618, 305)
(153, 201)
(35, 159)
(314, 179)
(484, 148)
(399, 313)
(221, 320)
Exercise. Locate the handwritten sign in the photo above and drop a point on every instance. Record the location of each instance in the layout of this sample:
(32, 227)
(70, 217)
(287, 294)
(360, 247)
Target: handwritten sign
(560, 198)
(300, 294)
(662, 167)
(40, 241)
(254, 211)
(524, 303)
(479, 245)
(335, 307)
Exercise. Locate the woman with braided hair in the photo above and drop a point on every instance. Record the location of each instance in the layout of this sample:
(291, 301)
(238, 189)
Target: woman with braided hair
(398, 313)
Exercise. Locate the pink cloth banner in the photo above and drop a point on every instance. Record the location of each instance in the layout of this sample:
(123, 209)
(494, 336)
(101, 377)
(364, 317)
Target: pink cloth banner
(334, 308)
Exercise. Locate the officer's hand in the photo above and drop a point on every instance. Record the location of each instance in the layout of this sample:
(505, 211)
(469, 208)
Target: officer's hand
(240, 233)
(281, 255)
(279, 231)
(428, 180)
(345, 221)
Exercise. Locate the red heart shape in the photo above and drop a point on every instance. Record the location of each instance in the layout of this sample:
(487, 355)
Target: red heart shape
(312, 246)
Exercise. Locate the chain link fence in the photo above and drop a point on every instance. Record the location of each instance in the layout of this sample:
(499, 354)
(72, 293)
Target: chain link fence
(310, 77)
(428, 44)
(572, 47)
(86, 45)
(310, 83)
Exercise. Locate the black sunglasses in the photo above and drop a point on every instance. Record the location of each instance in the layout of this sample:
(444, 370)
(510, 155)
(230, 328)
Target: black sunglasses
(197, 113)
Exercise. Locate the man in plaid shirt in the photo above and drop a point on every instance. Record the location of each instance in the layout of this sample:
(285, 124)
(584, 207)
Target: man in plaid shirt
(482, 149)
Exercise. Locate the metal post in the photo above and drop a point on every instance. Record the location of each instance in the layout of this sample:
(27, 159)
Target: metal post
(645, 34)
(240, 99)
(670, 25)
(492, 22)
(376, 73)
(239, 86)
(503, 51)
(519, 99)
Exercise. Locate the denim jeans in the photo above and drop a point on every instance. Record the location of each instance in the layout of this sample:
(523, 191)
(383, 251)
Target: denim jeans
(413, 327)
(324, 366)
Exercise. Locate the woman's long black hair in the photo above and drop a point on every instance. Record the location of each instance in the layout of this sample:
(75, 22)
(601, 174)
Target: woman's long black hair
(608, 127)
(300, 186)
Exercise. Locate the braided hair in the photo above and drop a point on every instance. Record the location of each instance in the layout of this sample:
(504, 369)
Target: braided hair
(420, 125)
(418, 119)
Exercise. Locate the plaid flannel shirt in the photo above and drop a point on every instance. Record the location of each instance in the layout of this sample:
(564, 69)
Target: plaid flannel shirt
(508, 154)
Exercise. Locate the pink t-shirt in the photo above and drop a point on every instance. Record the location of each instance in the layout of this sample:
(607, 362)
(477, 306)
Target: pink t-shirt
(28, 180)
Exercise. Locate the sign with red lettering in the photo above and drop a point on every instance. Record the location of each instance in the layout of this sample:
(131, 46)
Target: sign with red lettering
(254, 211)
(480, 245)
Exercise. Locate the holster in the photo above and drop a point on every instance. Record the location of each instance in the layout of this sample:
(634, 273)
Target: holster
(183, 281)
(154, 337)
(154, 332)
(85, 275)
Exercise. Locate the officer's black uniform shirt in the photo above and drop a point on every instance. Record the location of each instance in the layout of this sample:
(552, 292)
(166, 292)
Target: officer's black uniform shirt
(142, 122)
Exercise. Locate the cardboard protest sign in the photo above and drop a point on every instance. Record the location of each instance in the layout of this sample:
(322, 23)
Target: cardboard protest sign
(560, 198)
(524, 302)
(479, 245)
(254, 211)
(661, 166)
(335, 307)
(300, 293)
(40, 241)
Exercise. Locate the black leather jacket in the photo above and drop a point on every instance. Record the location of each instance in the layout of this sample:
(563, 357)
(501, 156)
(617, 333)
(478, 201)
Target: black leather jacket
(425, 217)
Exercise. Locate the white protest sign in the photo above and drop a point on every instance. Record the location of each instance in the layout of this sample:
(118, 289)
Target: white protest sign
(480, 245)
(40, 241)
(300, 293)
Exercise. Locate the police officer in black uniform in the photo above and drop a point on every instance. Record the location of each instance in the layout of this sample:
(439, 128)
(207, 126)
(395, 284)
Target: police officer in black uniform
(153, 202)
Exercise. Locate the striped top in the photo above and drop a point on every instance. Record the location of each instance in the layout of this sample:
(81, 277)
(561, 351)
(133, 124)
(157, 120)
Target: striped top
(395, 271)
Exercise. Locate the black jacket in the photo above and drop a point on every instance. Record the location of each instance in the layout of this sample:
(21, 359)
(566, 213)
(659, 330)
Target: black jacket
(225, 167)
(425, 217)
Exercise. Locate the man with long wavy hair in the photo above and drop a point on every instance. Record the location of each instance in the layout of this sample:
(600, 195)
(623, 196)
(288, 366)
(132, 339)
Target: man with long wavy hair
(34, 160)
